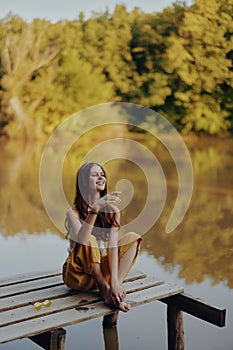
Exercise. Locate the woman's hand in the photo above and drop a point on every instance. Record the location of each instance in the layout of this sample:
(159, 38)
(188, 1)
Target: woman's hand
(110, 199)
(115, 298)
(117, 293)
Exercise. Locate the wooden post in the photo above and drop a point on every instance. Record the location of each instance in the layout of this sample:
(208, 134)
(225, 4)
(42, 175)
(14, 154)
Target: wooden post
(110, 320)
(52, 340)
(175, 328)
(198, 308)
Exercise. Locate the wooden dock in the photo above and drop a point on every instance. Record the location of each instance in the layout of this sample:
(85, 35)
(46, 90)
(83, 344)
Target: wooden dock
(19, 319)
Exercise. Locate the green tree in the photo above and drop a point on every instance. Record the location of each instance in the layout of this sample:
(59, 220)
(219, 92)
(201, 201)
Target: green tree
(68, 84)
(148, 47)
(106, 46)
(25, 50)
(198, 60)
(177, 62)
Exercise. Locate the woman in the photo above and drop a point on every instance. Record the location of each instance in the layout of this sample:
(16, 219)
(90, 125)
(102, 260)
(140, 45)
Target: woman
(93, 223)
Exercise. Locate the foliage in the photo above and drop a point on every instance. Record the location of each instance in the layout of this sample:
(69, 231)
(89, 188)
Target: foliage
(177, 62)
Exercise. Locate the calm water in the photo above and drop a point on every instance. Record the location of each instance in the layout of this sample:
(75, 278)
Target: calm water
(197, 255)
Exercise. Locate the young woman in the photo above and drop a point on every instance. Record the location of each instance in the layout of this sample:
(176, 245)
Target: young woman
(97, 257)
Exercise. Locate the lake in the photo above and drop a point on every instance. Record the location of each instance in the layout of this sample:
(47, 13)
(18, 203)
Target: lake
(197, 255)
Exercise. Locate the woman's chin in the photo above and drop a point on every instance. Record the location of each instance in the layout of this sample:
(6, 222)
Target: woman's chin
(100, 187)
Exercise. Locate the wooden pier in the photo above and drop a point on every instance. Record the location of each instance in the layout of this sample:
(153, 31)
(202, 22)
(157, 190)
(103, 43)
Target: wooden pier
(19, 319)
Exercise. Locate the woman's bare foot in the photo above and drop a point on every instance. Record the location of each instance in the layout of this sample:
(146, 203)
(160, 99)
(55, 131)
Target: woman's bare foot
(121, 305)
(108, 299)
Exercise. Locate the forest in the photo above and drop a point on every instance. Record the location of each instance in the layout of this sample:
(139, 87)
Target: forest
(177, 62)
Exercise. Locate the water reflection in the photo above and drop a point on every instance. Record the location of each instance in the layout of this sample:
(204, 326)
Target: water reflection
(111, 338)
(21, 207)
(202, 246)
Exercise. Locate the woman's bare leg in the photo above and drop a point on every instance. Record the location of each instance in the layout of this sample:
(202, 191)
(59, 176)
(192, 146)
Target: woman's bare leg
(105, 289)
(126, 261)
(100, 280)
(124, 265)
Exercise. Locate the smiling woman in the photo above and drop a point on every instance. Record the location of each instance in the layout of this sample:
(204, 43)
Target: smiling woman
(93, 220)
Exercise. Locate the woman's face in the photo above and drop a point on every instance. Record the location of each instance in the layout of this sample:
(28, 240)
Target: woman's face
(97, 179)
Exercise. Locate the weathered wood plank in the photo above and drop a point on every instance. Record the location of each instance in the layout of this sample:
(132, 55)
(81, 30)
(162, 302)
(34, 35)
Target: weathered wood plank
(154, 293)
(31, 276)
(67, 302)
(134, 275)
(72, 316)
(198, 308)
(28, 312)
(30, 286)
(175, 328)
(23, 299)
(26, 277)
(50, 322)
(10, 302)
(47, 281)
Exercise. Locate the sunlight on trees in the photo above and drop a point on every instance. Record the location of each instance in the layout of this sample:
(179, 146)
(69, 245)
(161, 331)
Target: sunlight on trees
(177, 62)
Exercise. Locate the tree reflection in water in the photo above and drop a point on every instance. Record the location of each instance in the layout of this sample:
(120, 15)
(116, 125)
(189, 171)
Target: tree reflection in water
(202, 245)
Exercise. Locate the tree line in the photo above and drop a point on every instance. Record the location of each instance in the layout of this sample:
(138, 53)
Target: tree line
(177, 62)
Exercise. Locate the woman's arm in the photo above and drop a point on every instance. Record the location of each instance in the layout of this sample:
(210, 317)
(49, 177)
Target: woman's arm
(80, 232)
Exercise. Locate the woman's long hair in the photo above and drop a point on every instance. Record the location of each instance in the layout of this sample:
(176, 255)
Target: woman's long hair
(105, 217)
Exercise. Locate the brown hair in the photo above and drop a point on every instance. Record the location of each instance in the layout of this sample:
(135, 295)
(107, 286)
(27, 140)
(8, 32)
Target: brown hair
(106, 218)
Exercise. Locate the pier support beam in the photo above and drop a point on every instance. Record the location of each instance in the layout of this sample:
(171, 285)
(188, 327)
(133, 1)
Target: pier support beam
(175, 328)
(52, 340)
(110, 320)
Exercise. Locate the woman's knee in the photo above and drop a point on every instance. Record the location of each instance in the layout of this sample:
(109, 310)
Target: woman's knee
(130, 239)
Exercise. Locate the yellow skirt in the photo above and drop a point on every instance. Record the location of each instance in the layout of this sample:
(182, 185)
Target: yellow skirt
(77, 268)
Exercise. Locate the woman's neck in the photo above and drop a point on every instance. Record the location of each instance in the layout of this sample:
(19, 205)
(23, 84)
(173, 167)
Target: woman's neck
(93, 197)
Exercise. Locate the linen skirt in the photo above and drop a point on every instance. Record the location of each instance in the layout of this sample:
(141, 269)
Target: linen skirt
(77, 269)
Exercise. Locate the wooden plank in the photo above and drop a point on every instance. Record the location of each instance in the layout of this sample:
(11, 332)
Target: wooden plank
(43, 281)
(8, 303)
(26, 277)
(175, 329)
(154, 293)
(26, 287)
(31, 276)
(46, 323)
(28, 312)
(198, 308)
(70, 301)
(23, 299)
(134, 275)
(72, 316)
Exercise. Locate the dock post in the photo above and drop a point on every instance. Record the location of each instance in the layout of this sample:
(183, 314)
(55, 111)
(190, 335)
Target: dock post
(110, 320)
(175, 328)
(52, 340)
